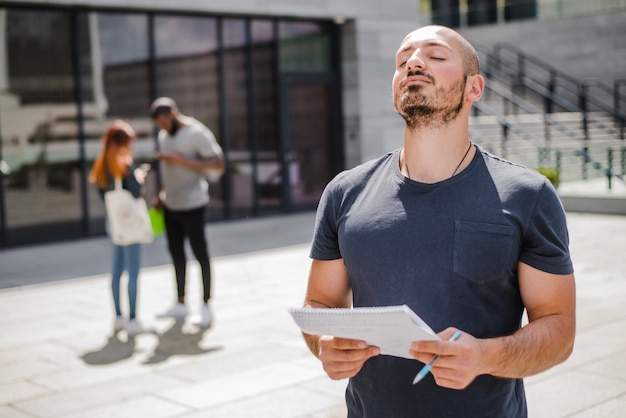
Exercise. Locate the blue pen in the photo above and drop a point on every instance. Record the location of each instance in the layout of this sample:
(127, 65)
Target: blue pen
(424, 371)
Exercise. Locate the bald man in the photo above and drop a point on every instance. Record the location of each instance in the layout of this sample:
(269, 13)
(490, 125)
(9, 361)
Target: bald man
(468, 240)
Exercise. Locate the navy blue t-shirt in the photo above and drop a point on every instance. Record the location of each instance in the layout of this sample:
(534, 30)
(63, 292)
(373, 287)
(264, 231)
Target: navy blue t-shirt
(450, 251)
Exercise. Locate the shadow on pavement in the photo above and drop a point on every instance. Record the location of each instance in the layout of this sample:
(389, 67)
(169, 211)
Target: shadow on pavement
(113, 351)
(177, 340)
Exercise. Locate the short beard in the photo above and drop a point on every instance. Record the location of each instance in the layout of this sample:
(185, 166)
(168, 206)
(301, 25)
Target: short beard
(420, 112)
(174, 128)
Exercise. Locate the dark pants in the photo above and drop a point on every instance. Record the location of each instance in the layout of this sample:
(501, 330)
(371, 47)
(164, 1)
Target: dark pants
(190, 224)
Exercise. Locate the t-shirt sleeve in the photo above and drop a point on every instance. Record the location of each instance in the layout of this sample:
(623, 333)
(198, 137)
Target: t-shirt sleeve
(546, 241)
(325, 234)
(131, 183)
(205, 143)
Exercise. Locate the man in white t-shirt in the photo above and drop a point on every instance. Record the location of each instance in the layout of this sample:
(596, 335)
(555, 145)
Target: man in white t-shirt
(188, 151)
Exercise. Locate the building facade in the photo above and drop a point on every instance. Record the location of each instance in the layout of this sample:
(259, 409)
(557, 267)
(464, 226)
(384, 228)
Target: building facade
(295, 91)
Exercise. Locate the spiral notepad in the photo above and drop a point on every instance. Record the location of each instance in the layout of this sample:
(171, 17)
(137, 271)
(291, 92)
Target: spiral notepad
(391, 328)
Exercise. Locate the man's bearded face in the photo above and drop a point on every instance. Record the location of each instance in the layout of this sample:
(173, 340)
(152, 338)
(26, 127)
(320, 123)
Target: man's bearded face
(422, 106)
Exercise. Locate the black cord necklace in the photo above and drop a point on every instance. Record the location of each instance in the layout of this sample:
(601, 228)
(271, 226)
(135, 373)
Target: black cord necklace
(462, 159)
(406, 164)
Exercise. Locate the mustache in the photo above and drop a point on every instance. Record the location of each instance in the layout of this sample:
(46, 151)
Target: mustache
(420, 73)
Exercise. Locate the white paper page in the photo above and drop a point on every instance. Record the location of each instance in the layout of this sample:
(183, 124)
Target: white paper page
(392, 328)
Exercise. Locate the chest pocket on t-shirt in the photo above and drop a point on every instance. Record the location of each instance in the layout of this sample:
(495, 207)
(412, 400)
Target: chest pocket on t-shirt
(483, 252)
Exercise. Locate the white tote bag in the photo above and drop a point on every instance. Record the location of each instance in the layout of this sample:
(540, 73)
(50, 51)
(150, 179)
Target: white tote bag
(129, 221)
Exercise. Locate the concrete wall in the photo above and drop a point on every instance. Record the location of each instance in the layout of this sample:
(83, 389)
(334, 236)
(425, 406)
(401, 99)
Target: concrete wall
(583, 47)
(372, 126)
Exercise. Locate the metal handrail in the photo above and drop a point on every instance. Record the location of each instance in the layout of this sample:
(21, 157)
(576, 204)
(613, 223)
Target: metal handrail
(617, 100)
(607, 171)
(613, 104)
(528, 107)
(569, 107)
(518, 75)
(531, 108)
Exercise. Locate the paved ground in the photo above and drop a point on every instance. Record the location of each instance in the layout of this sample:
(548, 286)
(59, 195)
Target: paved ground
(58, 357)
(594, 196)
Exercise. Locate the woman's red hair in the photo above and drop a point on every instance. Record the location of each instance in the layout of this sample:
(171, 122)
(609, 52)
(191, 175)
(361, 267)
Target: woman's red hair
(116, 155)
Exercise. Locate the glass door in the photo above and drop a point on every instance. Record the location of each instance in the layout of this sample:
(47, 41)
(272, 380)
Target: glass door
(307, 130)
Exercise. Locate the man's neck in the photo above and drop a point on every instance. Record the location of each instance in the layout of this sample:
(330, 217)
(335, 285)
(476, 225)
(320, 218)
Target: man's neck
(434, 155)
(177, 124)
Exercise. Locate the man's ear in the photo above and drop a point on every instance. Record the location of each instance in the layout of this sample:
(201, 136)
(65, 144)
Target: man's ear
(474, 87)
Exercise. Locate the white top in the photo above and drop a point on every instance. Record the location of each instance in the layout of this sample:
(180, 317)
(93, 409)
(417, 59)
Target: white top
(185, 188)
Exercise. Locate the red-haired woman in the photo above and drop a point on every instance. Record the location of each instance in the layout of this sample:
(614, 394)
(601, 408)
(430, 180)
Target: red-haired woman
(115, 161)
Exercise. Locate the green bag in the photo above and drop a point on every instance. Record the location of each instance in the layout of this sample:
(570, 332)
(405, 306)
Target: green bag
(157, 220)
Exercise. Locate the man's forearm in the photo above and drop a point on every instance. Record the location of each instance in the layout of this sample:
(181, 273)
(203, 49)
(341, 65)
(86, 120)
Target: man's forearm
(215, 163)
(533, 349)
(313, 342)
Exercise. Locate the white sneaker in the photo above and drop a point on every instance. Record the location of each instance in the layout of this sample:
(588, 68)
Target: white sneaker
(133, 327)
(118, 324)
(204, 318)
(178, 311)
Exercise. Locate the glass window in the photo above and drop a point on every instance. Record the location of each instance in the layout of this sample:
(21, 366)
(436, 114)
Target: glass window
(264, 63)
(263, 86)
(262, 31)
(480, 12)
(443, 12)
(38, 127)
(187, 66)
(269, 170)
(520, 9)
(304, 47)
(236, 101)
(308, 117)
(118, 53)
(115, 85)
(184, 36)
(187, 71)
(305, 62)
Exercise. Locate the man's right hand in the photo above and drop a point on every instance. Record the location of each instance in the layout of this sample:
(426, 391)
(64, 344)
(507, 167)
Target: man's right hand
(156, 201)
(343, 358)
